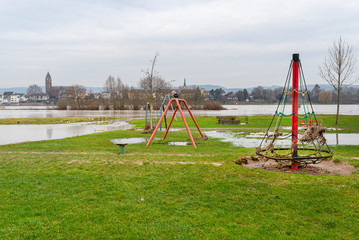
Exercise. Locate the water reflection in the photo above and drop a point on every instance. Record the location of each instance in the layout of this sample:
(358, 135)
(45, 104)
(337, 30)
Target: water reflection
(178, 143)
(342, 138)
(253, 140)
(49, 133)
(24, 133)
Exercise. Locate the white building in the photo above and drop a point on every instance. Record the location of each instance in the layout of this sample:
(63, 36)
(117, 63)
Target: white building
(15, 98)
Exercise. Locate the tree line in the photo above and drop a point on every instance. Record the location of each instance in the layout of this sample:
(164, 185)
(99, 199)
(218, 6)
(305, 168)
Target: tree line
(259, 94)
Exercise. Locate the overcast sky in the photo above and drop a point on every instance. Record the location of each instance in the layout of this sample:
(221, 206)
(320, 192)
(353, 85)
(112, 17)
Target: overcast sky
(232, 43)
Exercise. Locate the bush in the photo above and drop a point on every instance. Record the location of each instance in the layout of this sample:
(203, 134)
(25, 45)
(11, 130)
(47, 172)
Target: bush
(209, 105)
(92, 104)
(62, 104)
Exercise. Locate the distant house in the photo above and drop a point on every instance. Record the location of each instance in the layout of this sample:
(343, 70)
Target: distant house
(23, 98)
(6, 97)
(38, 97)
(15, 98)
(11, 98)
(106, 95)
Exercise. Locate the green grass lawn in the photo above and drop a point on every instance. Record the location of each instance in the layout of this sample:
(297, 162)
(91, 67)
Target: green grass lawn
(80, 188)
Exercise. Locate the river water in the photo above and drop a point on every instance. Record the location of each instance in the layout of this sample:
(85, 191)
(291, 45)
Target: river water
(235, 110)
(22, 133)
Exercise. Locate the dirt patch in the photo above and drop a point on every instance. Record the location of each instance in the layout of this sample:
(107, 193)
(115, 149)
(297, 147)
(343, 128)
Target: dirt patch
(147, 129)
(327, 167)
(216, 164)
(204, 138)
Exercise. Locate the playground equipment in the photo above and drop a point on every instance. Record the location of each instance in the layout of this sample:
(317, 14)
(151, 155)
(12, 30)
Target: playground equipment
(178, 107)
(309, 137)
(158, 114)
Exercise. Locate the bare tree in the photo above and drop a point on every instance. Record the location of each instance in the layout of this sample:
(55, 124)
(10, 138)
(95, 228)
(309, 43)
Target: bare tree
(325, 97)
(76, 96)
(110, 89)
(153, 85)
(33, 90)
(338, 68)
(117, 92)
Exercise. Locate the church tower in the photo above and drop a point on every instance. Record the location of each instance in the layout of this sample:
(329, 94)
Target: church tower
(48, 83)
(184, 84)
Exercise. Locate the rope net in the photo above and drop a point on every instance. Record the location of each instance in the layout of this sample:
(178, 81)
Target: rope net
(311, 144)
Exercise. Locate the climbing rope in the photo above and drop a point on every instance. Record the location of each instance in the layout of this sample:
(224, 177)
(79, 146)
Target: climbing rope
(310, 154)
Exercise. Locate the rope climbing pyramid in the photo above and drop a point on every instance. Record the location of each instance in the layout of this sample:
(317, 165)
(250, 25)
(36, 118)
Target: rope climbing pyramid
(307, 143)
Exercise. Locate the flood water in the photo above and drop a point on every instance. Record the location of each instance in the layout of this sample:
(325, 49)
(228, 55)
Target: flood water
(253, 140)
(23, 133)
(231, 110)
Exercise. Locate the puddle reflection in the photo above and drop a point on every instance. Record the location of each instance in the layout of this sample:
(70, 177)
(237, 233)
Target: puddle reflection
(24, 133)
(178, 143)
(254, 139)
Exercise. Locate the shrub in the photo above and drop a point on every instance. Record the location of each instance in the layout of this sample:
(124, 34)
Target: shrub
(209, 105)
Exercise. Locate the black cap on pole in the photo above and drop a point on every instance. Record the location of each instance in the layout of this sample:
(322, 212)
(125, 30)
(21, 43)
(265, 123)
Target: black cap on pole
(295, 56)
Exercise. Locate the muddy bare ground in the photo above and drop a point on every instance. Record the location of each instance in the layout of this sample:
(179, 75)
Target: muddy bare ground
(327, 167)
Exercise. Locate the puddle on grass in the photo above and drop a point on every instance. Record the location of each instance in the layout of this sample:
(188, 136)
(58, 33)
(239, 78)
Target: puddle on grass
(237, 139)
(252, 140)
(28, 132)
(178, 143)
(342, 138)
(131, 140)
(328, 128)
(142, 140)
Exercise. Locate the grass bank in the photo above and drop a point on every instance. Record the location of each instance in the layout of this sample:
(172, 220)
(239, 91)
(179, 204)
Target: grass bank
(80, 188)
(347, 123)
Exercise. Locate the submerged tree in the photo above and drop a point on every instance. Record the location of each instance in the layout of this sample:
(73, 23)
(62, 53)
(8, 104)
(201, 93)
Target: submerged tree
(74, 98)
(338, 68)
(117, 92)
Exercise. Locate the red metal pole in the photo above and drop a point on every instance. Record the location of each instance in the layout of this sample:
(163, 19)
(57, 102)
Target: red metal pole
(159, 123)
(185, 123)
(295, 108)
(168, 128)
(194, 120)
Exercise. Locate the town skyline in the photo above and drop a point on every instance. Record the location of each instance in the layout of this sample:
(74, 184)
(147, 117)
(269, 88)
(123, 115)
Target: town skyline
(47, 83)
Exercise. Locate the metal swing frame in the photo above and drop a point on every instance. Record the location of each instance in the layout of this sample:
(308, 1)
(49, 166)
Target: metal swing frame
(178, 107)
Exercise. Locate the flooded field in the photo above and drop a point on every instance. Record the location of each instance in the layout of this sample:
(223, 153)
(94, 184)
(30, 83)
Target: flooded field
(23, 133)
(253, 140)
(231, 110)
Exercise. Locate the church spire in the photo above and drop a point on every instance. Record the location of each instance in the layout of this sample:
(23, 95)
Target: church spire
(184, 83)
(48, 83)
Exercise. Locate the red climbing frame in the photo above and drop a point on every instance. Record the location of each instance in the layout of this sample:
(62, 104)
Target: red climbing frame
(178, 101)
(295, 109)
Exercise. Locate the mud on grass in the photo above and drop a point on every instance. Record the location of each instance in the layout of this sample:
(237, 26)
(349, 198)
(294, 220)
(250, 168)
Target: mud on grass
(327, 167)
